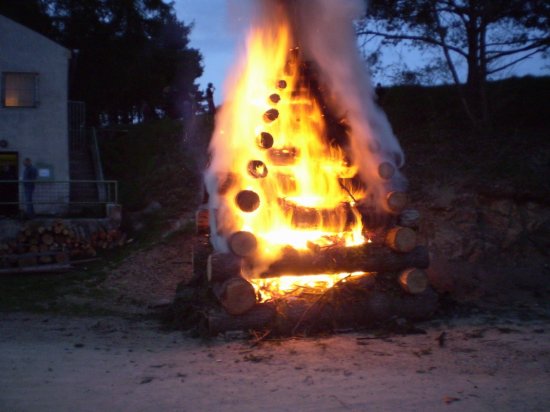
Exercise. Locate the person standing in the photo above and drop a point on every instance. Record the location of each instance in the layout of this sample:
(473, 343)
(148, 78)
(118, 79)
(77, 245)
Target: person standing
(29, 177)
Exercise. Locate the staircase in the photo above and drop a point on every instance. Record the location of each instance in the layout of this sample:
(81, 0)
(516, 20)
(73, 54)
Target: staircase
(83, 163)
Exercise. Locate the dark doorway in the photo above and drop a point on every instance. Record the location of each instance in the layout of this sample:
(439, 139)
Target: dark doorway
(9, 191)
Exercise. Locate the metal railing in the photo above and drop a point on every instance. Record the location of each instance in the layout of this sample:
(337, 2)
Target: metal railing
(58, 197)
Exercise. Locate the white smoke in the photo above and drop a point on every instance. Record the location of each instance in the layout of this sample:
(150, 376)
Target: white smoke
(326, 35)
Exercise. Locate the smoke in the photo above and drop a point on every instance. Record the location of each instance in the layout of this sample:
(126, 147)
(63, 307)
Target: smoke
(326, 35)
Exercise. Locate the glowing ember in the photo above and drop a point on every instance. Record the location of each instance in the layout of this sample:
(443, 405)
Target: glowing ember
(272, 288)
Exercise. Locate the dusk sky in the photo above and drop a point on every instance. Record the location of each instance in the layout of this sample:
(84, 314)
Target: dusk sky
(219, 33)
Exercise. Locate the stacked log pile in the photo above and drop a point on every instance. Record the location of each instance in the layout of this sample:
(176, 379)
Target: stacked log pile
(56, 243)
(396, 285)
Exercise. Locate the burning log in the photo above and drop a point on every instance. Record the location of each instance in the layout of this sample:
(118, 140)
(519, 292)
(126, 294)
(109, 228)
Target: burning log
(367, 258)
(413, 281)
(343, 308)
(247, 200)
(281, 84)
(275, 98)
(283, 157)
(235, 294)
(396, 201)
(243, 243)
(271, 115)
(401, 239)
(265, 140)
(312, 217)
(257, 169)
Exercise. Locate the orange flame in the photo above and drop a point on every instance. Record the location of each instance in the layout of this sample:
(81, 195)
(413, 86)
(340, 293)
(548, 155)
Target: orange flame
(271, 143)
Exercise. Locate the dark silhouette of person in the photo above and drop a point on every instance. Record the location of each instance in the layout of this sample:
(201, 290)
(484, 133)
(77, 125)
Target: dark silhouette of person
(29, 177)
(210, 98)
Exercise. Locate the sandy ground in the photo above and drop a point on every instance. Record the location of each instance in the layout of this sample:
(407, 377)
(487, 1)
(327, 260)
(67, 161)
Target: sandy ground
(485, 363)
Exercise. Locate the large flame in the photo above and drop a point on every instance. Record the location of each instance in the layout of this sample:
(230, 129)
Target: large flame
(276, 171)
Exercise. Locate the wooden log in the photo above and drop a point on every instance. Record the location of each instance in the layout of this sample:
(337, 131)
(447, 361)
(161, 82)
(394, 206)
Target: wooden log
(367, 258)
(409, 218)
(61, 257)
(202, 221)
(235, 294)
(258, 317)
(305, 316)
(401, 239)
(265, 140)
(222, 266)
(45, 259)
(310, 217)
(243, 243)
(283, 157)
(413, 281)
(47, 239)
(247, 200)
(257, 169)
(386, 170)
(396, 201)
(271, 115)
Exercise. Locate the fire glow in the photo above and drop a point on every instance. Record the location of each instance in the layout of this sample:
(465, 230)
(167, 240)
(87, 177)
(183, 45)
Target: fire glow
(277, 172)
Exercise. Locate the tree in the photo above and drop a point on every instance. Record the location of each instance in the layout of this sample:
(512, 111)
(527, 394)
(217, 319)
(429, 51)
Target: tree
(126, 54)
(130, 53)
(490, 36)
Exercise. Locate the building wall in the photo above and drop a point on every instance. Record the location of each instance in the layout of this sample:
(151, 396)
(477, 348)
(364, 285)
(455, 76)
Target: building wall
(40, 133)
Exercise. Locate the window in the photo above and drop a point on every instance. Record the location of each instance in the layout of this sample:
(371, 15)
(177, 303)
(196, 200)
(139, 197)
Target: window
(19, 89)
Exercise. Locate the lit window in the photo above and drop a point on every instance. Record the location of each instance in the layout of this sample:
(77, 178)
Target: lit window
(19, 89)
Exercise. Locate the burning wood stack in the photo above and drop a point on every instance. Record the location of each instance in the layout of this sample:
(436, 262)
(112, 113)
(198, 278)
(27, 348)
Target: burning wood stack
(305, 193)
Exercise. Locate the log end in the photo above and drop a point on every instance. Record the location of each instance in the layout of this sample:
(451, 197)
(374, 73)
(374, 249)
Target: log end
(413, 281)
(238, 296)
(401, 239)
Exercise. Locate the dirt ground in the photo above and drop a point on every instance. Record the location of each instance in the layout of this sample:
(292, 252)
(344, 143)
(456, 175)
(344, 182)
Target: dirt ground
(479, 363)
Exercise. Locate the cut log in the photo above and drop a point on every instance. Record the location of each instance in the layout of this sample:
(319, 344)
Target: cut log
(302, 316)
(47, 239)
(257, 169)
(413, 281)
(367, 258)
(396, 201)
(386, 170)
(243, 243)
(283, 157)
(236, 295)
(258, 317)
(247, 200)
(271, 115)
(401, 239)
(265, 140)
(409, 218)
(202, 223)
(310, 217)
(222, 266)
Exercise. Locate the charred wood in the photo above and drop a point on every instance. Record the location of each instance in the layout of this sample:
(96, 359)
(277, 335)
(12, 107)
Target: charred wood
(367, 258)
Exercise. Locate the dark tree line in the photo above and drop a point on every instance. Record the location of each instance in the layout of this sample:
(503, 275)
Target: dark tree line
(130, 58)
(487, 37)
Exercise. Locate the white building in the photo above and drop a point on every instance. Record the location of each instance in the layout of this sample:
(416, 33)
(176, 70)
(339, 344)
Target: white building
(33, 115)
